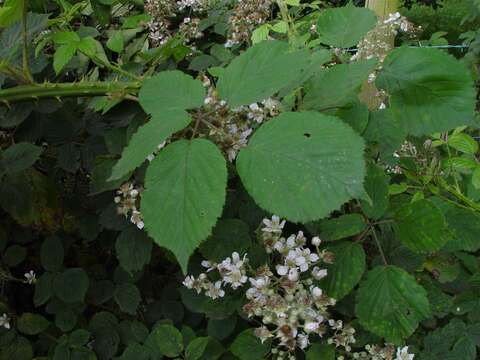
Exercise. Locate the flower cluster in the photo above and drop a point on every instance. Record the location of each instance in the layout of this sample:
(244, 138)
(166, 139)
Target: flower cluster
(230, 128)
(127, 203)
(247, 16)
(163, 13)
(291, 307)
(285, 297)
(387, 352)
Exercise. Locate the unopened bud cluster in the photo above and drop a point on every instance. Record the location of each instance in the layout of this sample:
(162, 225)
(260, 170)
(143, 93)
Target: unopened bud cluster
(127, 200)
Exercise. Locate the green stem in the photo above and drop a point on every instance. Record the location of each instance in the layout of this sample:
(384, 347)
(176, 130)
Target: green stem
(379, 246)
(81, 89)
(117, 69)
(287, 18)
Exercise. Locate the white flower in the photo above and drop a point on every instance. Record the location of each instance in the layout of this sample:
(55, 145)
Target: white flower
(282, 270)
(311, 326)
(293, 274)
(30, 277)
(316, 241)
(291, 242)
(215, 290)
(402, 354)
(318, 273)
(317, 292)
(189, 281)
(302, 341)
(5, 321)
(254, 107)
(263, 333)
(274, 225)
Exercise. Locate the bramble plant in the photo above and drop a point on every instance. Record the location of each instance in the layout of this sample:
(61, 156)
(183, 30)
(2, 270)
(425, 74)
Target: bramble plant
(223, 179)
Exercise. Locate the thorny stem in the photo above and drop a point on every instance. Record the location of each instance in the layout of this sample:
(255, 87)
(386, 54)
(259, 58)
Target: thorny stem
(58, 90)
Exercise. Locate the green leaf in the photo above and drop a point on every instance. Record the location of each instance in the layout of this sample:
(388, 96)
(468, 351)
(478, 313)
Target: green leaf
(88, 46)
(196, 348)
(428, 99)
(157, 94)
(221, 329)
(463, 142)
(115, 42)
(342, 227)
(356, 115)
(376, 186)
(11, 12)
(476, 178)
(302, 166)
(79, 337)
(320, 352)
(32, 324)
(421, 226)
(166, 339)
(247, 346)
(345, 26)
(14, 255)
(100, 176)
(450, 342)
(390, 303)
(146, 140)
(134, 249)
(387, 132)
(260, 72)
(464, 225)
(52, 253)
(184, 195)
(65, 319)
(135, 351)
(260, 33)
(346, 271)
(43, 289)
(167, 106)
(18, 349)
(71, 285)
(128, 297)
(228, 236)
(65, 37)
(19, 157)
(348, 79)
(63, 55)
